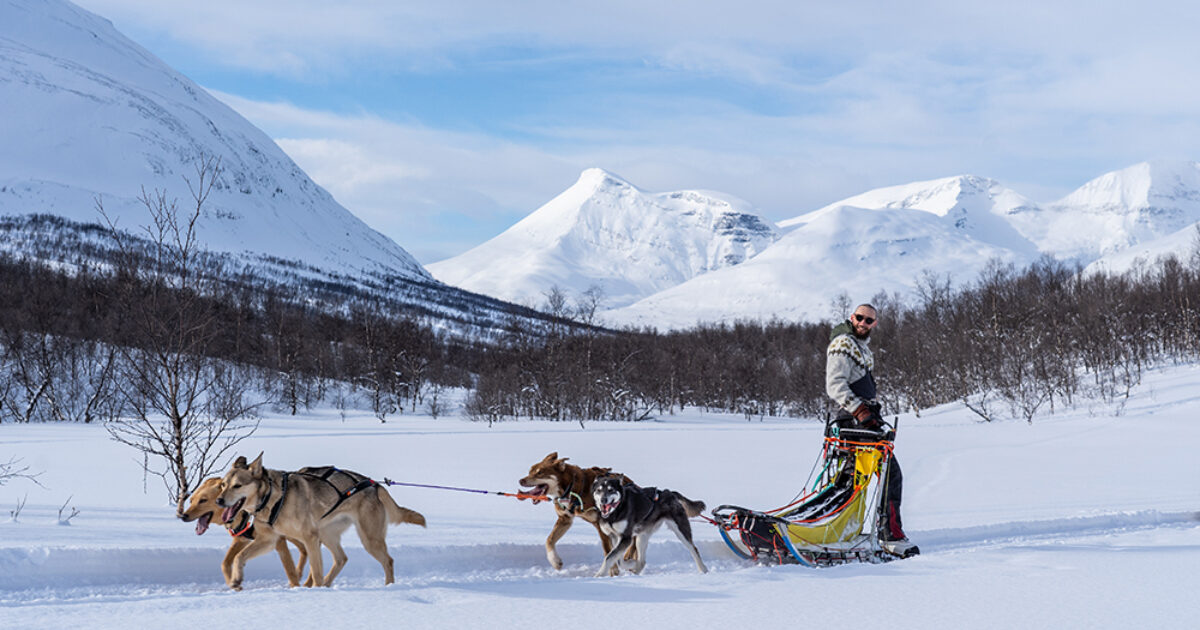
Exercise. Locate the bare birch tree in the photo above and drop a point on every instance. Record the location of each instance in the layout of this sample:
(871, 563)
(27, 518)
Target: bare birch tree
(183, 410)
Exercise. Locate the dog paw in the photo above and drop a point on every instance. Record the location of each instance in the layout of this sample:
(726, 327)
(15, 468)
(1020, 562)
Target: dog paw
(555, 561)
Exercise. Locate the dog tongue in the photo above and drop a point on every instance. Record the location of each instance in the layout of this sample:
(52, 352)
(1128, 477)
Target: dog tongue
(202, 524)
(227, 515)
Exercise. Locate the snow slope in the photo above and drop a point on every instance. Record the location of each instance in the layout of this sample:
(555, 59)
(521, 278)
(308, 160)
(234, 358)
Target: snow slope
(1118, 211)
(882, 240)
(85, 113)
(1184, 245)
(1087, 518)
(889, 239)
(978, 207)
(605, 232)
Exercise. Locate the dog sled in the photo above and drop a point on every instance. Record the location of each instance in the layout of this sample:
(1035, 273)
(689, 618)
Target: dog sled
(834, 520)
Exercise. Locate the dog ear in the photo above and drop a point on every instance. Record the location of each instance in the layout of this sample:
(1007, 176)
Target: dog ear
(256, 466)
(549, 459)
(240, 462)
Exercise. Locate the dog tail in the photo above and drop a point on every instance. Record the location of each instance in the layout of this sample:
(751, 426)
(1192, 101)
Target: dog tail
(398, 515)
(693, 508)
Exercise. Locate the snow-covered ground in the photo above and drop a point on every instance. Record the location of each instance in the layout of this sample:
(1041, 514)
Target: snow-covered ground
(1085, 519)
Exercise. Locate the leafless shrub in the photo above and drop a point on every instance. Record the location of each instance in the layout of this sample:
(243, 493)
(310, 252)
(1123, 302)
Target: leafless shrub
(66, 520)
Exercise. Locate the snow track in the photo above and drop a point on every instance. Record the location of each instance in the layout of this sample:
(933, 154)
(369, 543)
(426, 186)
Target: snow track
(1005, 534)
(32, 574)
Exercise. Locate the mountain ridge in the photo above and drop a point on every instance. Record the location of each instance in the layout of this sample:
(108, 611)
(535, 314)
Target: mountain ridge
(871, 243)
(99, 117)
(605, 232)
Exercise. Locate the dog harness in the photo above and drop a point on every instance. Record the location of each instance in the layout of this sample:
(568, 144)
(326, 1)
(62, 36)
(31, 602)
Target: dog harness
(267, 497)
(645, 491)
(342, 496)
(569, 499)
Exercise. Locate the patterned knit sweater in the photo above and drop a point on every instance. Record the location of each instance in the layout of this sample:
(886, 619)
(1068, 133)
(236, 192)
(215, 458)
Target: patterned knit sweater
(847, 359)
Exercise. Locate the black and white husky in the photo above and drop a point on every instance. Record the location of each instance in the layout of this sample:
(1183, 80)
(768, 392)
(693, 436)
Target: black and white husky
(629, 514)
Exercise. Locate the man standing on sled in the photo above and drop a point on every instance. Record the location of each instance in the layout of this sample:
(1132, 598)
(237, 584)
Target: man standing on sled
(850, 383)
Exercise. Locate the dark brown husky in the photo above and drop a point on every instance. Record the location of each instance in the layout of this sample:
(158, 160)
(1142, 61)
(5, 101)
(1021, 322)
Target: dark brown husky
(571, 488)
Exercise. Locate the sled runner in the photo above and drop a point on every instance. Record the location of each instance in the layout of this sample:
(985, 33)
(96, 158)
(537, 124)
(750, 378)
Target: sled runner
(833, 523)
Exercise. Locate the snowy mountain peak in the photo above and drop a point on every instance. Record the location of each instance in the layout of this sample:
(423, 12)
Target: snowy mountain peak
(842, 249)
(1144, 185)
(97, 116)
(1119, 210)
(942, 197)
(604, 231)
(975, 206)
(596, 178)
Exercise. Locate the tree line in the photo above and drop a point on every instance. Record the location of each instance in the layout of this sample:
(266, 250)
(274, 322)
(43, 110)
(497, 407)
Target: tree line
(1014, 342)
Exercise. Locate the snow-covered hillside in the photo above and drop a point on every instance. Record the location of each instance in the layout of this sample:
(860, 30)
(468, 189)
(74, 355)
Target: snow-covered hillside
(977, 207)
(889, 239)
(881, 240)
(1120, 211)
(1184, 245)
(846, 250)
(85, 113)
(1083, 519)
(605, 232)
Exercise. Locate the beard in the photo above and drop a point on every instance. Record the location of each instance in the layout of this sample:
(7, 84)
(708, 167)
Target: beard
(866, 335)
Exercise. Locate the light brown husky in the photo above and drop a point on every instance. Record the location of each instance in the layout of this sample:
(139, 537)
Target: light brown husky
(311, 511)
(202, 508)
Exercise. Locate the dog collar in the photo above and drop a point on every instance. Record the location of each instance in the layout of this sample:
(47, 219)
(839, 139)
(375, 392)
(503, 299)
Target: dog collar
(245, 530)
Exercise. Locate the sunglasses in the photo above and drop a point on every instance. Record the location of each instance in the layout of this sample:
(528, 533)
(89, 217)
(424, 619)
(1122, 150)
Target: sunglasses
(859, 317)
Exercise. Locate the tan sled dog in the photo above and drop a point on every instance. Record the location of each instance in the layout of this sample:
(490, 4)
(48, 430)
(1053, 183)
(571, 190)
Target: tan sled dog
(203, 508)
(571, 488)
(312, 511)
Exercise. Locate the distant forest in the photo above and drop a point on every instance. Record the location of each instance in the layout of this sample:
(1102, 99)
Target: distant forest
(1014, 342)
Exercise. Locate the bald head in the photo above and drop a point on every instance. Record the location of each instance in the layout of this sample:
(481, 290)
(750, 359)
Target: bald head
(863, 319)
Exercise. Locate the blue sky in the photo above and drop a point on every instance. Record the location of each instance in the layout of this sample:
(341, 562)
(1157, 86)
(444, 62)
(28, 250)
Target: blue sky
(441, 124)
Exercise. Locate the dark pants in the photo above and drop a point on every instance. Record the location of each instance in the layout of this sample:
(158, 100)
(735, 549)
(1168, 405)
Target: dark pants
(890, 527)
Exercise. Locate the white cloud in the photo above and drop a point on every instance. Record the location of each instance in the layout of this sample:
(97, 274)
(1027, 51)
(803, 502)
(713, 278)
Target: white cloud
(1039, 94)
(295, 34)
(435, 192)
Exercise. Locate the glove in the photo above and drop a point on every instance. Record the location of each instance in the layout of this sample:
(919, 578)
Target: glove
(868, 416)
